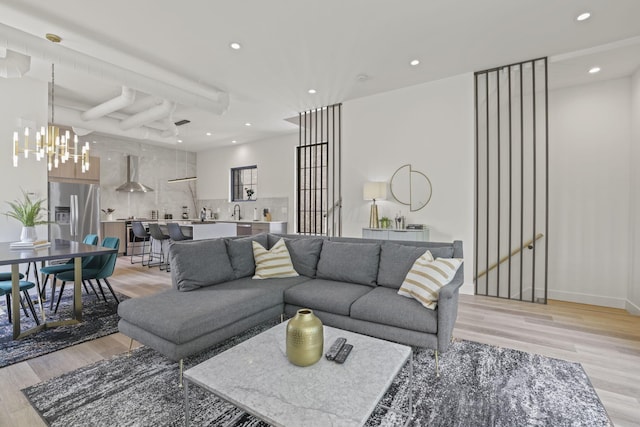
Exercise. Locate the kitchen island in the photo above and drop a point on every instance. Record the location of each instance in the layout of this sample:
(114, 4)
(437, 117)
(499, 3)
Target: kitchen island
(195, 228)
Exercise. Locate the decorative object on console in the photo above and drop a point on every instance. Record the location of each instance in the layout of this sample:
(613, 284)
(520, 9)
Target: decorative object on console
(411, 187)
(374, 191)
(385, 222)
(29, 213)
(305, 338)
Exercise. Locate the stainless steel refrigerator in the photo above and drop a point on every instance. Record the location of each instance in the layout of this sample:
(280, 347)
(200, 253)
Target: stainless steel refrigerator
(74, 210)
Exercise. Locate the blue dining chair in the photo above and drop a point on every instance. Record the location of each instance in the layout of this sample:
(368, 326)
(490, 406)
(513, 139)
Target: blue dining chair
(100, 268)
(5, 289)
(89, 239)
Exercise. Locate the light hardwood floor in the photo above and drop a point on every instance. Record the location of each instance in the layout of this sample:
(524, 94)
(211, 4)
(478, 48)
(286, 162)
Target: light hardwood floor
(605, 341)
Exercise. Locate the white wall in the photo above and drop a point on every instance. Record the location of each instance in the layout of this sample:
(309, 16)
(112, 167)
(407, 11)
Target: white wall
(589, 188)
(633, 292)
(430, 126)
(20, 99)
(275, 158)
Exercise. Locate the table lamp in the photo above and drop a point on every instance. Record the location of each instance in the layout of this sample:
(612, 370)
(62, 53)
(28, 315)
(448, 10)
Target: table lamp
(374, 191)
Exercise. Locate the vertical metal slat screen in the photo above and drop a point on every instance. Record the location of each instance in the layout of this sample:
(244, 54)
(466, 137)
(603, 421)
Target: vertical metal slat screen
(512, 181)
(318, 180)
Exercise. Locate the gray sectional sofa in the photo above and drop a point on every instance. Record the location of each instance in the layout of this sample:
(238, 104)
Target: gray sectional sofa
(349, 284)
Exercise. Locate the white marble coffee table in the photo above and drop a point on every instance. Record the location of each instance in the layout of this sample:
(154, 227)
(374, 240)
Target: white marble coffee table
(257, 377)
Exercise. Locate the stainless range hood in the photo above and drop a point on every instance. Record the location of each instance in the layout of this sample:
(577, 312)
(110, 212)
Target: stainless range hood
(132, 185)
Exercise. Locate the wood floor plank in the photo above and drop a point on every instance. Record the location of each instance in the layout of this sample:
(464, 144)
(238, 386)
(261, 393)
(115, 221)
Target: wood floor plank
(606, 341)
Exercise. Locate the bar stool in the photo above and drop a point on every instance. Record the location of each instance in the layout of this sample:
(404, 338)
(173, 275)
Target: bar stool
(139, 235)
(163, 240)
(175, 232)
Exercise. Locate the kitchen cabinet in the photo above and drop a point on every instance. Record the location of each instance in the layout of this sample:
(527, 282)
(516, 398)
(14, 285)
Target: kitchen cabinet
(72, 172)
(115, 229)
(396, 234)
(257, 227)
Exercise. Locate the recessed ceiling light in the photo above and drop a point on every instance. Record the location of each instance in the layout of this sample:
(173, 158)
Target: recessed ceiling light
(234, 141)
(208, 134)
(235, 46)
(414, 62)
(179, 141)
(594, 70)
(247, 124)
(311, 91)
(583, 16)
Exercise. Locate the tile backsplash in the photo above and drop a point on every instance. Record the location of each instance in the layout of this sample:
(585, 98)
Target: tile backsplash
(278, 207)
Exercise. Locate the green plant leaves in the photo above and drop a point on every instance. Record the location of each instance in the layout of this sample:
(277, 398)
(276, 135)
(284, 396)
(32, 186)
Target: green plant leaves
(28, 212)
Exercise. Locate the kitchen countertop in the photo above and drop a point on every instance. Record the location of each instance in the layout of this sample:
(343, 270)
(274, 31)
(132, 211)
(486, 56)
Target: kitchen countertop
(195, 221)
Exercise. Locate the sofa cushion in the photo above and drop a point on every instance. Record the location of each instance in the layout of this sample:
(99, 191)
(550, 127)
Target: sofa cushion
(398, 311)
(273, 285)
(441, 251)
(304, 252)
(241, 254)
(349, 262)
(180, 317)
(273, 263)
(395, 262)
(325, 295)
(426, 277)
(195, 264)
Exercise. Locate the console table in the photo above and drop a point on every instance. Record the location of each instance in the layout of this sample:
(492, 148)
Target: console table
(396, 234)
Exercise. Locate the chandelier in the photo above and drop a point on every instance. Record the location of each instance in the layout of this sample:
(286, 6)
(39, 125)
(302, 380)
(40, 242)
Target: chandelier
(52, 143)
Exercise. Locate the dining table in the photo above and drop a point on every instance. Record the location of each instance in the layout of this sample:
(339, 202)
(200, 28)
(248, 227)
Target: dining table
(58, 250)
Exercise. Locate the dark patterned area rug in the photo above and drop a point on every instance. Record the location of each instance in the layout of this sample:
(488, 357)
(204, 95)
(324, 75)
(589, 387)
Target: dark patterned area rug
(479, 385)
(100, 318)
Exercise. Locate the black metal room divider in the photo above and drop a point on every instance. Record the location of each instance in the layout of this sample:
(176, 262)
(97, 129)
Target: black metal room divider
(318, 180)
(512, 181)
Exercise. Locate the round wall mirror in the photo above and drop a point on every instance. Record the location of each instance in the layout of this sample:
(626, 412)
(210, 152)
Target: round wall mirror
(411, 187)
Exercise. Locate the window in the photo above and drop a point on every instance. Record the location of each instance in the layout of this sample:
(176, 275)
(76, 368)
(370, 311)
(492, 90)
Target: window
(244, 183)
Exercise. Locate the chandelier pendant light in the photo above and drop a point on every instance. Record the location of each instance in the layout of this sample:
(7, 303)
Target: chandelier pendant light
(51, 143)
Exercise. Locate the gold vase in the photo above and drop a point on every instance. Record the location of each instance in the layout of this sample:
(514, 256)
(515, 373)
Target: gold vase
(305, 338)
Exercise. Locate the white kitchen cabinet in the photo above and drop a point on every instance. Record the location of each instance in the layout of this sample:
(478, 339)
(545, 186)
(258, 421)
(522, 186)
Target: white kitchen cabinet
(395, 234)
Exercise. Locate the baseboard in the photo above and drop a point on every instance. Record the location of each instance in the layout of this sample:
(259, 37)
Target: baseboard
(588, 299)
(468, 289)
(632, 308)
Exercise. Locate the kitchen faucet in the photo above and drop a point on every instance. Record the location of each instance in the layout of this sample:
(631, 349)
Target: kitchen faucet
(237, 217)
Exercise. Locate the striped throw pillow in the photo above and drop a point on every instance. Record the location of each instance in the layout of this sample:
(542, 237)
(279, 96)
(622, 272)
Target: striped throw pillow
(427, 276)
(272, 263)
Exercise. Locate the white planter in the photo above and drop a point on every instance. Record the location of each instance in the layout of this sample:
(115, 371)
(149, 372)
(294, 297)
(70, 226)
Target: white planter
(28, 234)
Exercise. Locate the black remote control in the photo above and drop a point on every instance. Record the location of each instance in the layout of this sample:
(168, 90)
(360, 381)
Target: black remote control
(344, 353)
(335, 348)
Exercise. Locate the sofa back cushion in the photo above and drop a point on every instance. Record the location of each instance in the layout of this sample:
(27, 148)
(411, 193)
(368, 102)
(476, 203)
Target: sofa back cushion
(199, 263)
(304, 251)
(395, 262)
(241, 254)
(349, 262)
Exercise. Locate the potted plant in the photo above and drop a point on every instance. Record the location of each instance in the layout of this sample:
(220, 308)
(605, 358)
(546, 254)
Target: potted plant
(109, 213)
(249, 192)
(29, 212)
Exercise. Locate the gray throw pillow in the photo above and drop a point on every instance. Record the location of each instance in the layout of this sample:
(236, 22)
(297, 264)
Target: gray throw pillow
(395, 262)
(199, 263)
(349, 262)
(241, 254)
(304, 254)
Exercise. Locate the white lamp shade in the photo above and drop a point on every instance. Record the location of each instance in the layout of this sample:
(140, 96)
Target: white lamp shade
(374, 190)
